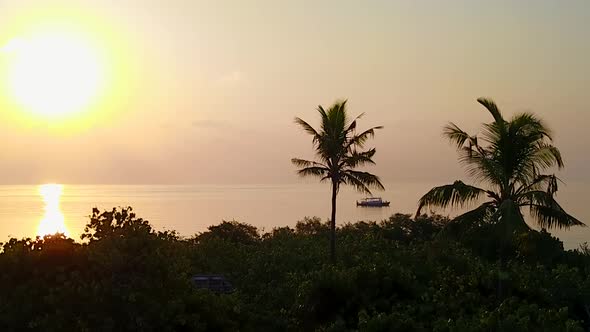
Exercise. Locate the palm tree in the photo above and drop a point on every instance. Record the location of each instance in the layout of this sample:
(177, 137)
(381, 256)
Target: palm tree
(337, 145)
(509, 157)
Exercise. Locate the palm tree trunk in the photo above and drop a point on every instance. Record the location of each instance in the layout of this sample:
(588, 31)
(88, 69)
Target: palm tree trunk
(333, 224)
(502, 259)
(500, 291)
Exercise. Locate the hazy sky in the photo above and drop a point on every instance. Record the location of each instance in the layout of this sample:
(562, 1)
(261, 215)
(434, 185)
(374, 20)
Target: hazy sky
(217, 84)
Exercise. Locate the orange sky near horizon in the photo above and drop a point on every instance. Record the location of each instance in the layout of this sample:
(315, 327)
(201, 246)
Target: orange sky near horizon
(206, 92)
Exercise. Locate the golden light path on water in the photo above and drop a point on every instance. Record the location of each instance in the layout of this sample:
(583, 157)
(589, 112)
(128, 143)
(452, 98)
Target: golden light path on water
(53, 220)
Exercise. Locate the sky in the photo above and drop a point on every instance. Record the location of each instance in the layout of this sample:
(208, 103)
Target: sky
(207, 91)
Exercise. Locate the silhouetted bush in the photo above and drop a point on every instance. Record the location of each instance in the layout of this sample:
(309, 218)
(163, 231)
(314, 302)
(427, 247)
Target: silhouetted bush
(231, 231)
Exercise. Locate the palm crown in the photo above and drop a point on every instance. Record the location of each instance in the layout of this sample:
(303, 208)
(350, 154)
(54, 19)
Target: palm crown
(337, 146)
(509, 157)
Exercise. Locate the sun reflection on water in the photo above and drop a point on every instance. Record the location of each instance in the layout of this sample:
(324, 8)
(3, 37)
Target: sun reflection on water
(53, 220)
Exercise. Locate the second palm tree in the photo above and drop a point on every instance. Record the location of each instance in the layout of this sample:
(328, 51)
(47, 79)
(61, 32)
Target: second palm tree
(509, 156)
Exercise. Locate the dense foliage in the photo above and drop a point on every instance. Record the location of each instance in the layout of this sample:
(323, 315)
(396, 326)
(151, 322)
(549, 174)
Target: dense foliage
(401, 274)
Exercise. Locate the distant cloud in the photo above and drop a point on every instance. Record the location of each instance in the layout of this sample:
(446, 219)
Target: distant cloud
(231, 78)
(208, 123)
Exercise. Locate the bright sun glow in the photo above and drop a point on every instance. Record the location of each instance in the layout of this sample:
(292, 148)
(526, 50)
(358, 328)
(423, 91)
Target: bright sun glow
(54, 73)
(53, 220)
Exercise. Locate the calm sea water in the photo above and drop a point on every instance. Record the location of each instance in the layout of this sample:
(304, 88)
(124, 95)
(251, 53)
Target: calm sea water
(191, 209)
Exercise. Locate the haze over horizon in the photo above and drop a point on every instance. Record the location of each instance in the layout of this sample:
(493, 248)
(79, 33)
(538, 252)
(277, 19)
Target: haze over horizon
(214, 87)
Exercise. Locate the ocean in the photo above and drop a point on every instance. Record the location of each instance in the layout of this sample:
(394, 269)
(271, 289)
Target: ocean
(28, 210)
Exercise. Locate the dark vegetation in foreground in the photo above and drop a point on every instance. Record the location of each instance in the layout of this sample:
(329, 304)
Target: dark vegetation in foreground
(400, 274)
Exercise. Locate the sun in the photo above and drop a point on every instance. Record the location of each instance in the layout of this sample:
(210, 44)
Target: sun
(54, 73)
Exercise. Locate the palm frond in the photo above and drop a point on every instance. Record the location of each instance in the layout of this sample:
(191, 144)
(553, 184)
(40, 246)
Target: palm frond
(307, 127)
(368, 179)
(479, 215)
(356, 159)
(353, 181)
(316, 171)
(493, 134)
(546, 211)
(549, 181)
(527, 150)
(546, 156)
(322, 112)
(527, 124)
(482, 166)
(490, 105)
(306, 163)
(352, 125)
(553, 216)
(359, 140)
(454, 195)
(535, 197)
(456, 135)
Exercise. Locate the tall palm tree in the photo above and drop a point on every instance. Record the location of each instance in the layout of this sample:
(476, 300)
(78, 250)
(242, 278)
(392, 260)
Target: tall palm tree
(338, 148)
(509, 156)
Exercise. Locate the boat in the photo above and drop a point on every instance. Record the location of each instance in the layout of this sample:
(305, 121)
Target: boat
(373, 202)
